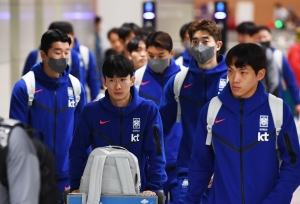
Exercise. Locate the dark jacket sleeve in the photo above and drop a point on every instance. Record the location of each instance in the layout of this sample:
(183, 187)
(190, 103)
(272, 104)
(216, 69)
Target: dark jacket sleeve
(168, 106)
(19, 102)
(92, 77)
(78, 153)
(201, 163)
(154, 147)
(289, 176)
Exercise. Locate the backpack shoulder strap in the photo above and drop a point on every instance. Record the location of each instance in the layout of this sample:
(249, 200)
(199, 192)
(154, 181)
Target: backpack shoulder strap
(125, 175)
(30, 84)
(76, 88)
(95, 183)
(84, 53)
(277, 55)
(139, 75)
(178, 81)
(276, 106)
(213, 109)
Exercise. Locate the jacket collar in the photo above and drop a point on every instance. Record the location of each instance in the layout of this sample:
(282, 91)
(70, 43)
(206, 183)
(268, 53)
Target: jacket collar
(250, 104)
(193, 67)
(41, 75)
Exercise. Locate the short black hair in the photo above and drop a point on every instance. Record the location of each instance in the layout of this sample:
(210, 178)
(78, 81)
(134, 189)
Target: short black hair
(111, 31)
(64, 26)
(247, 28)
(52, 36)
(97, 19)
(127, 28)
(184, 29)
(247, 54)
(160, 39)
(133, 44)
(117, 65)
(260, 28)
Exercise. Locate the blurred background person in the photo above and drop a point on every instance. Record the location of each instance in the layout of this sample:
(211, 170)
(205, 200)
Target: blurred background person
(136, 48)
(294, 55)
(98, 43)
(288, 88)
(126, 32)
(88, 62)
(116, 47)
(184, 58)
(247, 33)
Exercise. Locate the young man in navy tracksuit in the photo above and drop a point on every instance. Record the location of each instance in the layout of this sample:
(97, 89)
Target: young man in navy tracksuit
(206, 77)
(243, 155)
(160, 68)
(53, 111)
(121, 118)
(77, 69)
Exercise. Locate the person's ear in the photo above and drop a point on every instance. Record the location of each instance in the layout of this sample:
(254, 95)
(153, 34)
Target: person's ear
(43, 55)
(172, 53)
(219, 45)
(104, 81)
(129, 56)
(261, 74)
(132, 80)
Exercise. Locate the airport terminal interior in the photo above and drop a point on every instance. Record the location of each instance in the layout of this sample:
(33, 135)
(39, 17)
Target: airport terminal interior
(22, 23)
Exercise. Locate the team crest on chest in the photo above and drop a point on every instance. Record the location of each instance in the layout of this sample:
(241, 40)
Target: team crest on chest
(136, 124)
(263, 128)
(222, 84)
(71, 100)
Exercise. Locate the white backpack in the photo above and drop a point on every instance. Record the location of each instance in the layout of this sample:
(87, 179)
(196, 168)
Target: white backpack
(29, 79)
(84, 54)
(139, 75)
(275, 103)
(109, 170)
(178, 81)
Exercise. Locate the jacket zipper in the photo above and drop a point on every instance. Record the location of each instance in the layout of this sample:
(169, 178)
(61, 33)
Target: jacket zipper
(204, 79)
(162, 81)
(55, 101)
(121, 121)
(241, 151)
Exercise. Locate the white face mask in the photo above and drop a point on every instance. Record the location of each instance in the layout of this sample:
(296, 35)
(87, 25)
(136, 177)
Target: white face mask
(158, 65)
(203, 53)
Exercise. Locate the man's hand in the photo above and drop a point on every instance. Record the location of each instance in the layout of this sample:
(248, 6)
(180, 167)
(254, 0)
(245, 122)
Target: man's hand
(75, 191)
(297, 109)
(211, 181)
(148, 193)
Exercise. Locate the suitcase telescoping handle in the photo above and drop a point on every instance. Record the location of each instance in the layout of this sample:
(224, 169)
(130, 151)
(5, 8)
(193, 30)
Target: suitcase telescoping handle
(116, 147)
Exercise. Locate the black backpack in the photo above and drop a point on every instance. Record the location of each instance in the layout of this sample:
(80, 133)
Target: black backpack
(49, 193)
